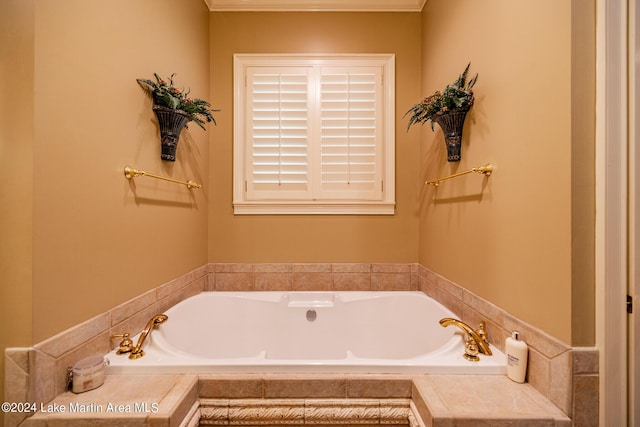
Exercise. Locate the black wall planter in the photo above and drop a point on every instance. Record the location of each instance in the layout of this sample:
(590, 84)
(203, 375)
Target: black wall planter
(171, 124)
(452, 123)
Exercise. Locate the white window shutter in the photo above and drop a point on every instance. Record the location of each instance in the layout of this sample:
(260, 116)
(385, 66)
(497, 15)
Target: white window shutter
(350, 140)
(314, 134)
(278, 133)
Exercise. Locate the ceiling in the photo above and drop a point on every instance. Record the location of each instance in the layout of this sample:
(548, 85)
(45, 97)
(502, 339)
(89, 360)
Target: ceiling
(316, 5)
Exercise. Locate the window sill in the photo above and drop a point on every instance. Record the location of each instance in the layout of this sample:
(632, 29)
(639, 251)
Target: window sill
(328, 208)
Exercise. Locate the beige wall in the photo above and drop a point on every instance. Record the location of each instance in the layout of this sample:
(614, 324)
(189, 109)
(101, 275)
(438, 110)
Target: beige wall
(314, 238)
(98, 239)
(508, 238)
(16, 174)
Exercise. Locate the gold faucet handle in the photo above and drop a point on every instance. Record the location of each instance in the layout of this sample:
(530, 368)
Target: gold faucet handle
(471, 349)
(482, 333)
(126, 345)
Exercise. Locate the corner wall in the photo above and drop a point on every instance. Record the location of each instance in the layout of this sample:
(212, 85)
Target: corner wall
(508, 238)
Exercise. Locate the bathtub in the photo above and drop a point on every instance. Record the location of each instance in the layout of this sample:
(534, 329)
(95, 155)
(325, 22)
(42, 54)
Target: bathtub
(306, 332)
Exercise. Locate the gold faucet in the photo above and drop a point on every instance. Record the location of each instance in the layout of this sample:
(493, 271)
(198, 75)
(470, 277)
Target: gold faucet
(126, 345)
(156, 320)
(476, 341)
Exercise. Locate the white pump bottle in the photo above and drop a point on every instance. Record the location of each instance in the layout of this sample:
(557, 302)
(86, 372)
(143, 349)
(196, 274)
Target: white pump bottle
(517, 354)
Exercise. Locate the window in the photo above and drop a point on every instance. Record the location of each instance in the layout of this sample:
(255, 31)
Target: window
(314, 134)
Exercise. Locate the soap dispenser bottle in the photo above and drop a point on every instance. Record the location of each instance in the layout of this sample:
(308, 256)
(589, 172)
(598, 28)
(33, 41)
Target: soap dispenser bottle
(517, 352)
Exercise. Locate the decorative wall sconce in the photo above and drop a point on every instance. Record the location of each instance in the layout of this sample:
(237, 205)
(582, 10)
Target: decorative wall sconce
(174, 109)
(449, 109)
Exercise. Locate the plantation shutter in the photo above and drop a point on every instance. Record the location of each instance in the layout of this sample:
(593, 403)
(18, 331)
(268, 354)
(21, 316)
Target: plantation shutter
(350, 140)
(278, 130)
(314, 134)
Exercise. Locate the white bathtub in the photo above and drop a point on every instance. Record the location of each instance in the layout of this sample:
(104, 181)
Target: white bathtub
(288, 332)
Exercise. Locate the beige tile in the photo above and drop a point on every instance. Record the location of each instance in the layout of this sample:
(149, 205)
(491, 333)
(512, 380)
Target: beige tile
(218, 387)
(17, 374)
(427, 286)
(18, 381)
(415, 283)
(450, 287)
(73, 337)
(585, 401)
(429, 405)
(273, 281)
(304, 387)
(234, 282)
(30, 422)
(560, 417)
(485, 309)
(191, 279)
(194, 288)
(351, 281)
(489, 400)
(169, 287)
(194, 275)
(233, 268)
(312, 268)
(391, 268)
(211, 282)
(378, 387)
(133, 306)
(428, 275)
(176, 403)
(312, 281)
(561, 380)
(564, 422)
(120, 401)
(585, 360)
(273, 268)
(44, 371)
(19, 356)
(351, 268)
(538, 372)
(547, 345)
(390, 282)
(452, 303)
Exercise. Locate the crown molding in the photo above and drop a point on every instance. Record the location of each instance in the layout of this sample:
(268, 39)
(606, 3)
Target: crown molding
(316, 5)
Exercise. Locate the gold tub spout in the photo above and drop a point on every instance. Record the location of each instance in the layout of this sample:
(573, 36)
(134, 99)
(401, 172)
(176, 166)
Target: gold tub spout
(156, 320)
(476, 340)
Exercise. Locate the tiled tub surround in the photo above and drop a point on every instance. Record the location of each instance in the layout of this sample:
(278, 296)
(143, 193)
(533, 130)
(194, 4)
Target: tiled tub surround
(566, 376)
(191, 400)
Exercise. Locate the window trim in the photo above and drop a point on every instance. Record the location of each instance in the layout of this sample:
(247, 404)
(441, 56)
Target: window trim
(385, 206)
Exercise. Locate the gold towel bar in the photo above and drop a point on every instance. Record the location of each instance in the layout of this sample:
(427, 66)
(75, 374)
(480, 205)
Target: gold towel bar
(485, 170)
(132, 173)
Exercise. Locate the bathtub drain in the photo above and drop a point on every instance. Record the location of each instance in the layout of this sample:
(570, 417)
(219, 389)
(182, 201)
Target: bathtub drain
(311, 315)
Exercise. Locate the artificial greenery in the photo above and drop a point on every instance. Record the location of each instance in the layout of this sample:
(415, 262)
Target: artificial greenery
(457, 96)
(167, 95)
